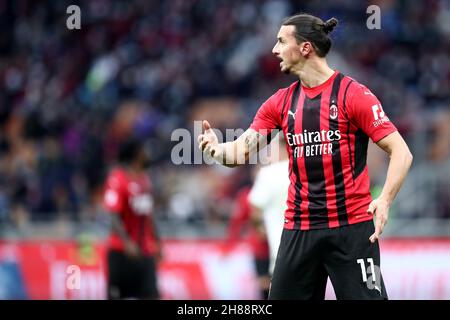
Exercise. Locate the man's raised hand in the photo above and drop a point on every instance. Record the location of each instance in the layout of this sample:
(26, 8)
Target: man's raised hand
(208, 141)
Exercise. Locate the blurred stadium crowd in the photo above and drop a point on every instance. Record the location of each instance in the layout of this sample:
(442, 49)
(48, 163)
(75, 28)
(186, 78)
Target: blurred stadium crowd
(68, 98)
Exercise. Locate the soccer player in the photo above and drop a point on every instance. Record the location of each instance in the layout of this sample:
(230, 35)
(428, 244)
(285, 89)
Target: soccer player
(133, 244)
(327, 119)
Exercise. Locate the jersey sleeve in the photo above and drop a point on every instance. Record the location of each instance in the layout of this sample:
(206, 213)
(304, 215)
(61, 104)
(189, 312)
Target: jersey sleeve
(366, 112)
(113, 198)
(268, 116)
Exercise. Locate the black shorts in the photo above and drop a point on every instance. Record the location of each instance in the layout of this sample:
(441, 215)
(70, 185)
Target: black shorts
(345, 254)
(131, 277)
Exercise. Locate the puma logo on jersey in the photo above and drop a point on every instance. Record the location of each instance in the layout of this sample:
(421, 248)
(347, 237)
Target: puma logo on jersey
(292, 114)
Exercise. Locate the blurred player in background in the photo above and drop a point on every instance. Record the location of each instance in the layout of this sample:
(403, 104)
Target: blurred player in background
(268, 199)
(240, 226)
(327, 119)
(134, 247)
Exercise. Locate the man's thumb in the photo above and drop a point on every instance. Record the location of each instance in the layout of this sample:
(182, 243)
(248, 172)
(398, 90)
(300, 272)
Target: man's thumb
(206, 125)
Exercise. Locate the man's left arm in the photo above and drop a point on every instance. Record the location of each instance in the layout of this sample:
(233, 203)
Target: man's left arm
(399, 164)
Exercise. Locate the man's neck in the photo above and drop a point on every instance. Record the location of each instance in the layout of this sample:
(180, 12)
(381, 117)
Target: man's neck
(314, 72)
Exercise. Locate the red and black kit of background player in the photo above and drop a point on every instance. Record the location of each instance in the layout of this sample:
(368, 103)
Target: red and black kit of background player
(134, 248)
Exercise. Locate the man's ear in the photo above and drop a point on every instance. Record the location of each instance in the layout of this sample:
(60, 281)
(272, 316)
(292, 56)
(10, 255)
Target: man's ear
(305, 48)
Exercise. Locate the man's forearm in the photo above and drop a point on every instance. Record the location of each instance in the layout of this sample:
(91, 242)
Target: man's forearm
(232, 154)
(399, 164)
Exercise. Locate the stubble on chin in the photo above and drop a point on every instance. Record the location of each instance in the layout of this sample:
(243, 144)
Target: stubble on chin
(286, 70)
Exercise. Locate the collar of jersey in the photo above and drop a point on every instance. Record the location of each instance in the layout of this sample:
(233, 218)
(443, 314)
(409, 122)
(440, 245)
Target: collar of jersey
(312, 92)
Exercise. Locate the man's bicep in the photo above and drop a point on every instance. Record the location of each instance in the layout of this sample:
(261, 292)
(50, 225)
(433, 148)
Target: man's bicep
(391, 142)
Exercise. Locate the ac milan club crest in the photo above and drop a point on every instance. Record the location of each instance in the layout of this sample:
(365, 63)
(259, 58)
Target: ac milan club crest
(333, 111)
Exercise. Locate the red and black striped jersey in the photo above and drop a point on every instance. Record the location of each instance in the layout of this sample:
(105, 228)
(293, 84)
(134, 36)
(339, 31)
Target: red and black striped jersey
(130, 197)
(327, 129)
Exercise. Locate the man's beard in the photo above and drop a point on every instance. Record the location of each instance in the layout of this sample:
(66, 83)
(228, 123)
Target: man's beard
(286, 70)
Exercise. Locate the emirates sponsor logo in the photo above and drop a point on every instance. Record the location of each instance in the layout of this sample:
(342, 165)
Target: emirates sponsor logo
(307, 137)
(316, 143)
